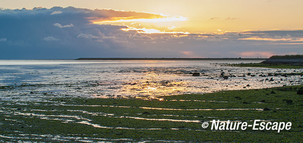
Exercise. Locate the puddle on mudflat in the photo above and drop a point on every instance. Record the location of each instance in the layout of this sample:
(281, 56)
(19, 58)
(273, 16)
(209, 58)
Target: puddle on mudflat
(223, 109)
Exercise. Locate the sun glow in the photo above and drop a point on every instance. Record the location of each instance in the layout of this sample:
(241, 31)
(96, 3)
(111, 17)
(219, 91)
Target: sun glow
(160, 24)
(145, 20)
(151, 31)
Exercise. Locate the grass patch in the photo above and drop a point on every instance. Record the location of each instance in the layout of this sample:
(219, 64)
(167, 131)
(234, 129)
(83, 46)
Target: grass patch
(263, 65)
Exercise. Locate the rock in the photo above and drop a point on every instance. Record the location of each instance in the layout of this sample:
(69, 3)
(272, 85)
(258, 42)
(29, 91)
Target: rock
(225, 77)
(270, 74)
(243, 75)
(182, 127)
(272, 79)
(222, 74)
(196, 74)
(288, 101)
(237, 97)
(145, 113)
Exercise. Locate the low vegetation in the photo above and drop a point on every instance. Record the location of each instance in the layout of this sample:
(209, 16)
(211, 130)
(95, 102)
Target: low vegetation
(264, 65)
(171, 118)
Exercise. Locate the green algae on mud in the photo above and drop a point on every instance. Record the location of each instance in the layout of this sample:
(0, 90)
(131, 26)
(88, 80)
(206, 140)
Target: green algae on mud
(277, 61)
(176, 118)
(264, 65)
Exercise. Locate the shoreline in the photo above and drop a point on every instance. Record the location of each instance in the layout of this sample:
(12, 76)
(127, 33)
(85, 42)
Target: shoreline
(263, 65)
(285, 62)
(171, 59)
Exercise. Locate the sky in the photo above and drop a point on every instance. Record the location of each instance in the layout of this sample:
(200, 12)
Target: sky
(67, 29)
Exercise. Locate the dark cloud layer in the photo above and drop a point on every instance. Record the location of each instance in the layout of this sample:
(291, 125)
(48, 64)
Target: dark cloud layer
(67, 33)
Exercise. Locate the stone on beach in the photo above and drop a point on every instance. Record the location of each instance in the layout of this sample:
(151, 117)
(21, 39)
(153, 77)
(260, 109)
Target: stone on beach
(196, 74)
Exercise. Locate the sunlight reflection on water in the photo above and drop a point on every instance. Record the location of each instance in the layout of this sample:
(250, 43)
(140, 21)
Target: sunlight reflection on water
(132, 79)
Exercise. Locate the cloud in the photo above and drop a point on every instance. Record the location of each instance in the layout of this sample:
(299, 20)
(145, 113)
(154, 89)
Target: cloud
(63, 26)
(189, 54)
(273, 39)
(87, 36)
(288, 43)
(231, 18)
(50, 38)
(3, 39)
(113, 15)
(56, 12)
(219, 18)
(28, 31)
(290, 38)
(256, 54)
(151, 31)
(214, 18)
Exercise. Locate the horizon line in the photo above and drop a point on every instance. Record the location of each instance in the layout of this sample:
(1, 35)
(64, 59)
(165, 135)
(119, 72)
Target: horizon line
(171, 58)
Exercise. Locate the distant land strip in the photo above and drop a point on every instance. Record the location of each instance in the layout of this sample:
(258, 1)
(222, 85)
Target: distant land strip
(171, 59)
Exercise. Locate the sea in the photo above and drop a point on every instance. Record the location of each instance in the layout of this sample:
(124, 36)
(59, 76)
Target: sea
(36, 80)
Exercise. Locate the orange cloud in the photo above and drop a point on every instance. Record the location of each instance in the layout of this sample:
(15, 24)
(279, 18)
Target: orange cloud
(189, 54)
(256, 54)
(138, 21)
(153, 31)
(113, 15)
(273, 39)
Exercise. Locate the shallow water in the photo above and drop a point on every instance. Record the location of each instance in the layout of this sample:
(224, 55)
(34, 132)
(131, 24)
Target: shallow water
(33, 79)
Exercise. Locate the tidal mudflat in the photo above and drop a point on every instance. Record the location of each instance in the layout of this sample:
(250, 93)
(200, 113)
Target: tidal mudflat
(145, 101)
(174, 118)
(32, 80)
